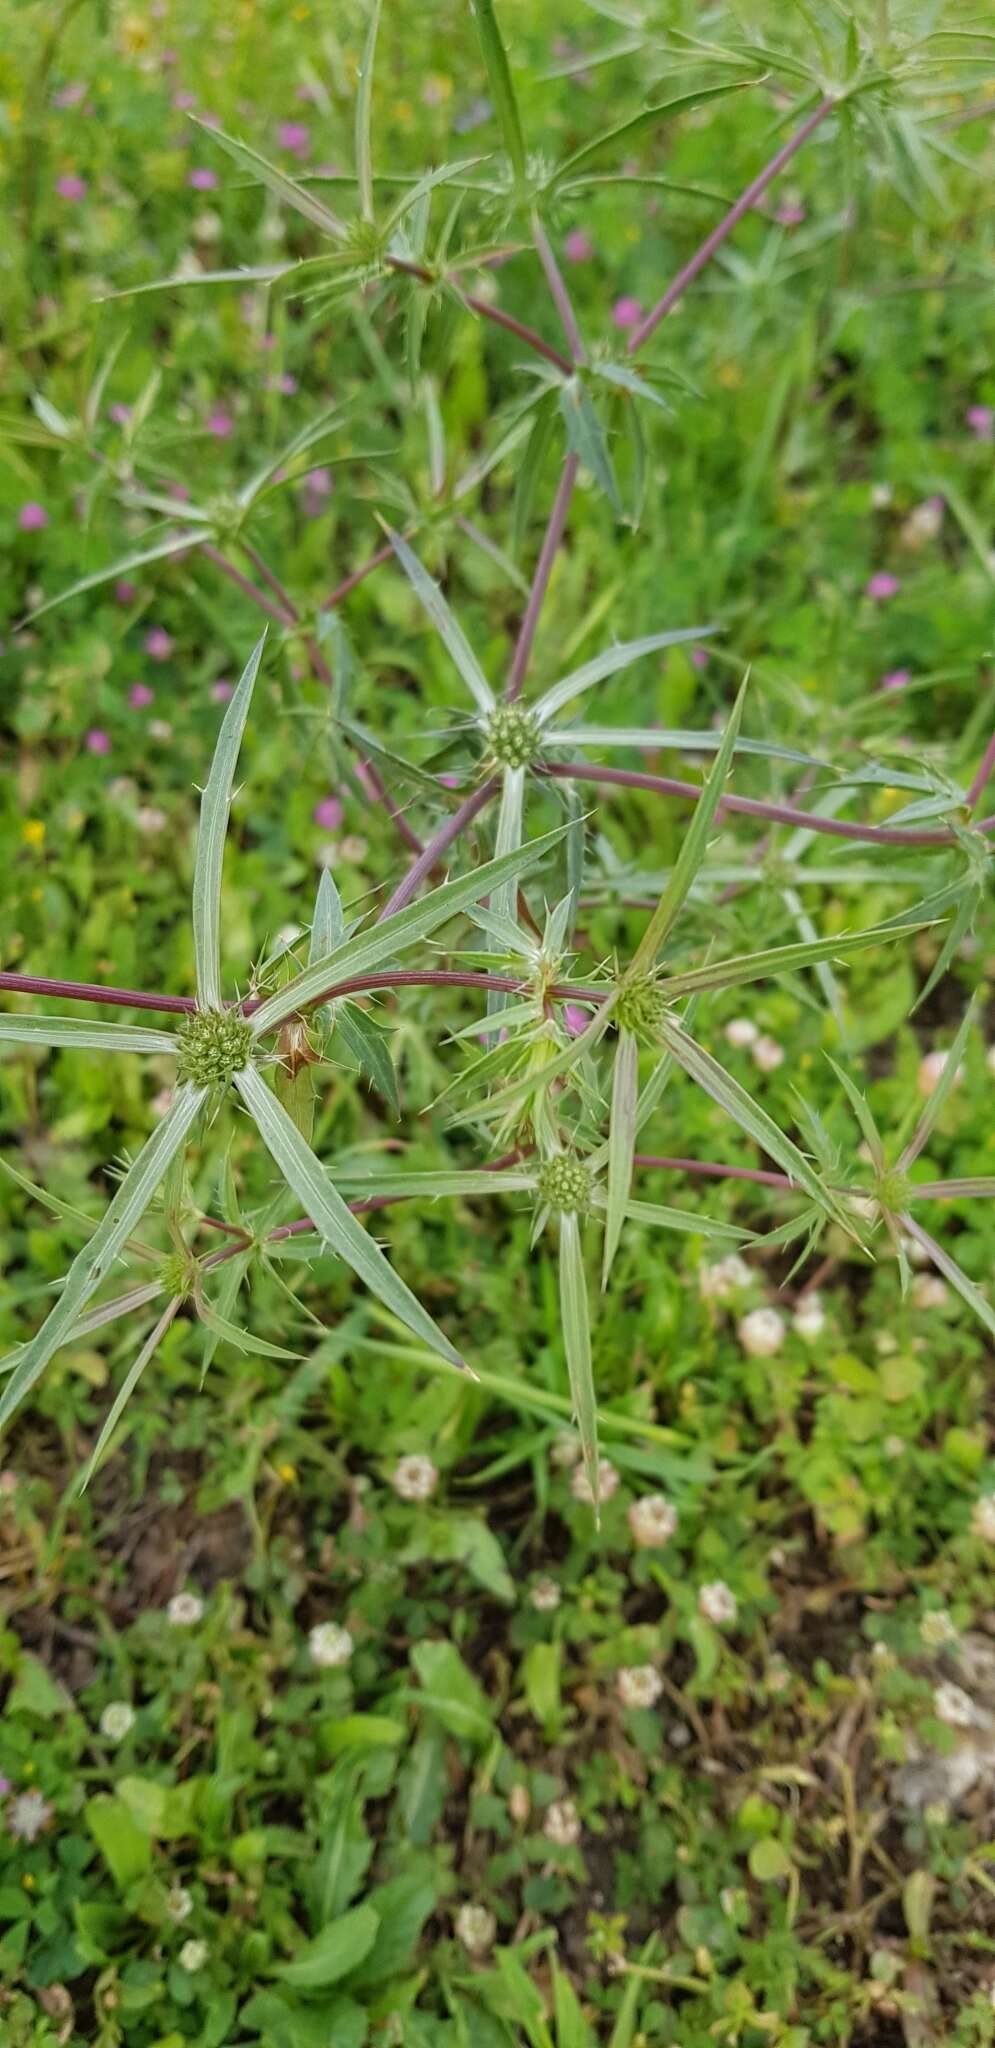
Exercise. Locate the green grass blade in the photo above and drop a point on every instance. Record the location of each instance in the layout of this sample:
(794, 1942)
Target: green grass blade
(610, 663)
(364, 111)
(83, 1032)
(621, 1143)
(577, 1345)
(446, 625)
(94, 1262)
(215, 805)
(748, 1114)
(502, 89)
(331, 1216)
(383, 941)
(694, 847)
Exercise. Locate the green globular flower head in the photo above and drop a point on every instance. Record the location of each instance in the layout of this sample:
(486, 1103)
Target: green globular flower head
(214, 1046)
(639, 1006)
(513, 739)
(179, 1275)
(565, 1184)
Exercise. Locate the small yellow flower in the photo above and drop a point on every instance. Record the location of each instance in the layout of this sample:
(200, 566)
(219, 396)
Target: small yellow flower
(33, 831)
(28, 1881)
(288, 1474)
(731, 376)
(135, 33)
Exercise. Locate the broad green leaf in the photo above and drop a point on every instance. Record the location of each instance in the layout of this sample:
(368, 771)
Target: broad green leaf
(610, 663)
(621, 1143)
(174, 544)
(748, 1114)
(215, 805)
(541, 1680)
(694, 847)
(276, 181)
(502, 89)
(451, 1692)
(95, 1261)
(775, 960)
(381, 942)
(127, 1388)
(339, 1948)
(331, 1216)
(572, 2030)
(82, 1032)
(576, 1327)
(446, 625)
(364, 110)
(368, 1048)
(124, 1846)
(651, 117)
(587, 440)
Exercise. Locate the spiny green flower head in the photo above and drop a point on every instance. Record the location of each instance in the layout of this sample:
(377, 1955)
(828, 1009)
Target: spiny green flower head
(565, 1184)
(214, 1046)
(179, 1275)
(639, 1006)
(513, 738)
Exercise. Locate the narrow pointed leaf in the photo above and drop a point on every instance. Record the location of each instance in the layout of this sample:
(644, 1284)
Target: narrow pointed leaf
(215, 805)
(127, 1388)
(935, 1102)
(328, 924)
(625, 134)
(95, 1318)
(587, 440)
(694, 847)
(381, 942)
(502, 89)
(331, 1216)
(508, 837)
(577, 1345)
(976, 1301)
(174, 544)
(83, 1032)
(748, 1114)
(776, 960)
(364, 109)
(471, 1181)
(666, 1218)
(610, 663)
(862, 1111)
(276, 181)
(95, 1261)
(621, 1143)
(662, 736)
(446, 625)
(367, 1047)
(232, 1333)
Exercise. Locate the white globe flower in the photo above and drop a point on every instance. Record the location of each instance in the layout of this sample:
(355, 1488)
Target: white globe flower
(638, 1685)
(329, 1645)
(185, 1610)
(545, 1596)
(562, 1823)
(983, 1518)
(725, 1277)
(928, 1291)
(476, 1928)
(193, 1955)
(740, 1032)
(718, 1603)
(809, 1319)
(767, 1054)
(931, 1071)
(762, 1332)
(652, 1521)
(117, 1720)
(953, 1705)
(414, 1477)
(580, 1485)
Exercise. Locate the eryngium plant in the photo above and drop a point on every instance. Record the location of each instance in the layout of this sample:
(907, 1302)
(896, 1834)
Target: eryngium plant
(575, 1062)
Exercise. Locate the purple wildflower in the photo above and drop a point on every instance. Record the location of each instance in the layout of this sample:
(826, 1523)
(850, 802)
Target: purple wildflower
(98, 741)
(295, 137)
(32, 517)
(222, 691)
(981, 420)
(575, 1019)
(184, 102)
(120, 414)
(578, 247)
(158, 644)
(790, 213)
(626, 312)
(139, 695)
(328, 814)
(70, 186)
(203, 180)
(69, 95)
(896, 679)
(882, 585)
(699, 657)
(220, 424)
(125, 593)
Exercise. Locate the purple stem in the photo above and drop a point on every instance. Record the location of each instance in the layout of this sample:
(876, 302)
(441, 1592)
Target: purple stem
(715, 1170)
(983, 775)
(781, 814)
(282, 595)
(558, 291)
(540, 581)
(93, 992)
(357, 576)
(493, 313)
(440, 840)
(246, 584)
(714, 241)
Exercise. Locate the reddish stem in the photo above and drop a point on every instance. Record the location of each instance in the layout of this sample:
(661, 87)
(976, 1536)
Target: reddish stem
(246, 585)
(540, 581)
(489, 312)
(713, 1169)
(725, 226)
(781, 814)
(356, 576)
(94, 992)
(410, 883)
(558, 291)
(983, 775)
